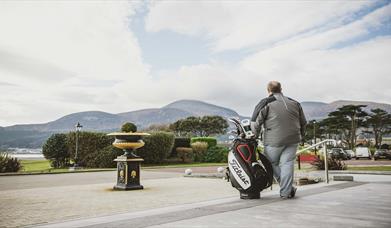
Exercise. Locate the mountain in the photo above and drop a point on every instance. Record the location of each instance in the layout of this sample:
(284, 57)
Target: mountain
(91, 120)
(33, 135)
(319, 110)
(312, 109)
(199, 108)
(146, 117)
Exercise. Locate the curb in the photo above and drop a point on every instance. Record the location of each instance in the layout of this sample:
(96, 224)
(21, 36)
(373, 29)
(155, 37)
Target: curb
(49, 173)
(360, 172)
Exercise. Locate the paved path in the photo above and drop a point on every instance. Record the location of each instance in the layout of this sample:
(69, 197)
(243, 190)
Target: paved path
(66, 179)
(66, 196)
(170, 200)
(321, 205)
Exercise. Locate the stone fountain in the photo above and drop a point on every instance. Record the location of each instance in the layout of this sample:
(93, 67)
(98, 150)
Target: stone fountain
(128, 164)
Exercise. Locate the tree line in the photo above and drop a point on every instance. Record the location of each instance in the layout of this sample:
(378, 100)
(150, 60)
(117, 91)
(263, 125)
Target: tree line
(345, 123)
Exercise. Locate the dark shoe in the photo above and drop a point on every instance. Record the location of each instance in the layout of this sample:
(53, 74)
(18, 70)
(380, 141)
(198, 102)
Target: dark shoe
(293, 192)
(291, 195)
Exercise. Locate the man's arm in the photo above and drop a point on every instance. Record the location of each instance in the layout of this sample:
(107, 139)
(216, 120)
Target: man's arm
(303, 122)
(259, 115)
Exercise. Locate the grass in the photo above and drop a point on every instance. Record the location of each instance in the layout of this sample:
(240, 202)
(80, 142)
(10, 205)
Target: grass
(370, 168)
(181, 165)
(35, 165)
(43, 166)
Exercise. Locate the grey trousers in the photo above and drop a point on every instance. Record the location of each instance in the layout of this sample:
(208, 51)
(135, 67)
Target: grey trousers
(283, 162)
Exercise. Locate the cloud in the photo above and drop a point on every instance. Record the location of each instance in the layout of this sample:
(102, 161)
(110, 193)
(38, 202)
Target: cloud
(234, 24)
(62, 57)
(66, 57)
(296, 44)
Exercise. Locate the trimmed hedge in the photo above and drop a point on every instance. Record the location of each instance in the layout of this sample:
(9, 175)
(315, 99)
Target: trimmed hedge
(89, 143)
(199, 150)
(8, 163)
(157, 147)
(216, 154)
(210, 140)
(104, 158)
(179, 142)
(185, 154)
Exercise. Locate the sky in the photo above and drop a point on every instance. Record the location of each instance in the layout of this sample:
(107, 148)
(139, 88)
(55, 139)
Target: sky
(61, 57)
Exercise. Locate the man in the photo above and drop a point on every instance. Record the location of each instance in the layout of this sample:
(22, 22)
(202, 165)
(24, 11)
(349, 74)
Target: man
(282, 122)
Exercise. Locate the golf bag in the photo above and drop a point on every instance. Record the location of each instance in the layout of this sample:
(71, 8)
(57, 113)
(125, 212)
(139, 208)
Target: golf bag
(247, 174)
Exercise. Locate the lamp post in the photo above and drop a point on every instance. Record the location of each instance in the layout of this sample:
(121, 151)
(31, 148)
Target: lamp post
(78, 128)
(313, 123)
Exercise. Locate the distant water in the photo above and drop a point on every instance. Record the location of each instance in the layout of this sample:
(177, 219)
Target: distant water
(26, 153)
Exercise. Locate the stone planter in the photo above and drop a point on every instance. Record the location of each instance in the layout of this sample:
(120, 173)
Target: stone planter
(128, 164)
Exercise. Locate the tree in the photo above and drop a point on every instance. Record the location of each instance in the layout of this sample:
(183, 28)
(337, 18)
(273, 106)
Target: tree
(344, 123)
(213, 125)
(314, 129)
(336, 126)
(55, 149)
(158, 127)
(200, 126)
(380, 122)
(356, 116)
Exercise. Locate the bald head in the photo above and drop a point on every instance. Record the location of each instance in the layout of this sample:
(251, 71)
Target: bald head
(274, 87)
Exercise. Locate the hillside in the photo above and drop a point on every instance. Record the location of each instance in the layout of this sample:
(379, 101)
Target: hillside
(33, 135)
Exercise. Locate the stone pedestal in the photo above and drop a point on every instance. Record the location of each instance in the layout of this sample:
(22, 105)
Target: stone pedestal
(128, 173)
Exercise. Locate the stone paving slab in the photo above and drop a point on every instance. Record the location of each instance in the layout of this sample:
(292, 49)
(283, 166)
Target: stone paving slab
(66, 179)
(367, 205)
(20, 207)
(190, 211)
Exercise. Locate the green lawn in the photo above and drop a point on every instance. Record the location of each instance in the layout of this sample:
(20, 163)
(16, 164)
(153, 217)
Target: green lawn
(43, 166)
(34, 165)
(370, 168)
(194, 164)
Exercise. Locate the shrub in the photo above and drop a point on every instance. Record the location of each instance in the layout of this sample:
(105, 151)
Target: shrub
(104, 158)
(216, 154)
(157, 147)
(333, 164)
(199, 150)
(8, 163)
(56, 151)
(185, 154)
(210, 140)
(129, 127)
(89, 143)
(179, 142)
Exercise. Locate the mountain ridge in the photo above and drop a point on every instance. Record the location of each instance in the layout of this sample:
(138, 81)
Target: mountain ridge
(104, 121)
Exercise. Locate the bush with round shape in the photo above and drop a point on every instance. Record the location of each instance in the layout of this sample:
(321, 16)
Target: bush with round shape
(199, 150)
(332, 163)
(9, 164)
(128, 127)
(56, 150)
(210, 140)
(185, 154)
(157, 147)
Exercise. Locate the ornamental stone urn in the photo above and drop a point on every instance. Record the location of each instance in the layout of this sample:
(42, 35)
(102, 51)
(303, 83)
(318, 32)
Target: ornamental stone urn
(128, 164)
